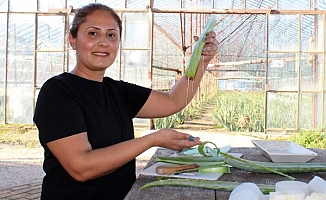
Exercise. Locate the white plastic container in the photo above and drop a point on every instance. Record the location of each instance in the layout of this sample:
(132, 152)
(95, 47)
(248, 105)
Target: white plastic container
(317, 184)
(244, 194)
(247, 191)
(284, 186)
(287, 195)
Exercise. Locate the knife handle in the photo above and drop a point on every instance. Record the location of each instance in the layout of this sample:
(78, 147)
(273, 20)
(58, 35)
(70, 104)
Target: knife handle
(168, 170)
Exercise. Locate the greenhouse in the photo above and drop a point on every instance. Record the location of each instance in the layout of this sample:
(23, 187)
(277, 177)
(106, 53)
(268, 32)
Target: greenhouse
(272, 54)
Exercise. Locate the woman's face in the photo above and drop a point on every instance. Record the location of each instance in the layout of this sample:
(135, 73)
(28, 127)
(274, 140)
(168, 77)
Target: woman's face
(97, 42)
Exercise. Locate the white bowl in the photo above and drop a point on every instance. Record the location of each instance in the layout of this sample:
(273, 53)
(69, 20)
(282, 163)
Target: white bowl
(284, 151)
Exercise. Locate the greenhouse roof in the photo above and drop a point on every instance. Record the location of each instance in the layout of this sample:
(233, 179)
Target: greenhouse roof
(241, 35)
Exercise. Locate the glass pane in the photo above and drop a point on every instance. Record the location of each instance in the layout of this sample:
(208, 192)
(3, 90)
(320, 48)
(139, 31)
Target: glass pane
(136, 31)
(167, 42)
(45, 5)
(166, 4)
(222, 4)
(114, 70)
(198, 4)
(72, 60)
(319, 41)
(282, 71)
(245, 34)
(163, 79)
(2, 107)
(312, 66)
(137, 4)
(50, 33)
(307, 33)
(135, 67)
(20, 68)
(310, 111)
(3, 40)
(20, 104)
(4, 5)
(166, 53)
(78, 3)
(323, 123)
(320, 5)
(293, 5)
(21, 49)
(140, 122)
(18, 6)
(261, 4)
(113, 3)
(281, 110)
(48, 64)
(283, 33)
(237, 4)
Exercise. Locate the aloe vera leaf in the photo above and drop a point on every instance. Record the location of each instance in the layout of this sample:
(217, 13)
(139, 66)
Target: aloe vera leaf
(242, 163)
(185, 160)
(191, 158)
(198, 48)
(215, 169)
(207, 184)
(250, 165)
(202, 146)
(294, 167)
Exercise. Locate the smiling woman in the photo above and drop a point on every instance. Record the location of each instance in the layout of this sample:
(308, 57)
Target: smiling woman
(97, 43)
(85, 120)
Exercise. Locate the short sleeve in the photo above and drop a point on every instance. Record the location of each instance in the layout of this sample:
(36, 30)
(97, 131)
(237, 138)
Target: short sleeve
(58, 113)
(135, 95)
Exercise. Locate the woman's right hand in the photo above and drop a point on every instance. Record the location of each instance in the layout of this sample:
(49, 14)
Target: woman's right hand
(175, 140)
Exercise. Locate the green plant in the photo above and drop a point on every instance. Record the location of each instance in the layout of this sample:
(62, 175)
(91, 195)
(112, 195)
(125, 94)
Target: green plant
(195, 108)
(192, 111)
(310, 139)
(180, 117)
(198, 48)
(239, 111)
(281, 111)
(208, 184)
(165, 122)
(19, 135)
(170, 121)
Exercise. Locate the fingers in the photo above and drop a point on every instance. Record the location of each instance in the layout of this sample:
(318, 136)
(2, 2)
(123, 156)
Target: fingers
(184, 140)
(211, 34)
(209, 39)
(211, 44)
(177, 140)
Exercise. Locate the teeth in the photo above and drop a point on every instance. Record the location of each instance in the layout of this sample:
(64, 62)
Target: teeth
(101, 54)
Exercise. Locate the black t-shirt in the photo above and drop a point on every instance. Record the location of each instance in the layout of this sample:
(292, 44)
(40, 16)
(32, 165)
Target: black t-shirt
(68, 105)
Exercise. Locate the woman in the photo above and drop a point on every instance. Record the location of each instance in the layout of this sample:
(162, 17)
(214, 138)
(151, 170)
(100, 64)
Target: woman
(85, 119)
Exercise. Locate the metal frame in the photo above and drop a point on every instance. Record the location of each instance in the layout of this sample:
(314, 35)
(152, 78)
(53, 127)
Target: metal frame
(200, 15)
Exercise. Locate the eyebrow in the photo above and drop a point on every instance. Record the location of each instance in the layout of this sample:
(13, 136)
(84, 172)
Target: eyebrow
(110, 29)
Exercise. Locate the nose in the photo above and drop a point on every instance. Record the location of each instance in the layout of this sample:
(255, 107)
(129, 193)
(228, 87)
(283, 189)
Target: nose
(103, 42)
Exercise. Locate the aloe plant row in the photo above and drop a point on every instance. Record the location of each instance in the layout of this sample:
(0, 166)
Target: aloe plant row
(239, 111)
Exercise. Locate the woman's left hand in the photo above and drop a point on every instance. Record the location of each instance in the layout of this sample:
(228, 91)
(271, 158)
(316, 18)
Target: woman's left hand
(210, 48)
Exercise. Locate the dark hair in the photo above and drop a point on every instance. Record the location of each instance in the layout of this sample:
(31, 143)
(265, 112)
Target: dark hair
(84, 11)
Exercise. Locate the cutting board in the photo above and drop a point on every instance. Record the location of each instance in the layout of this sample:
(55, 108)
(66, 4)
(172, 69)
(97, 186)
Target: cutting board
(151, 171)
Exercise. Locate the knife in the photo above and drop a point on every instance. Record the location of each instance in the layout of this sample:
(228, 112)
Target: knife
(174, 169)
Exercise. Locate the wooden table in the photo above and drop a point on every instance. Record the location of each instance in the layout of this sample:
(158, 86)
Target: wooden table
(189, 193)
